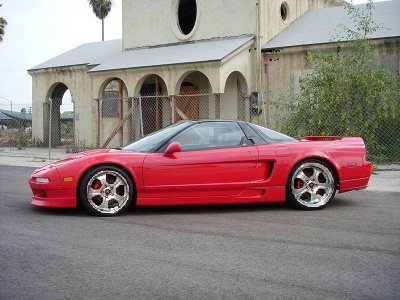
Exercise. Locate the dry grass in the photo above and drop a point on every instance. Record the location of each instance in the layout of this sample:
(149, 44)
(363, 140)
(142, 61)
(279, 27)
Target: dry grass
(15, 138)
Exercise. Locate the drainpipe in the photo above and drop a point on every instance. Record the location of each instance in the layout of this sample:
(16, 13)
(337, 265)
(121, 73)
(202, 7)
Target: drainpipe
(259, 57)
(50, 125)
(259, 38)
(121, 108)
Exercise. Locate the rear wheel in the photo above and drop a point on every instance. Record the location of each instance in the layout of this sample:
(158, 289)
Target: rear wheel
(106, 191)
(311, 184)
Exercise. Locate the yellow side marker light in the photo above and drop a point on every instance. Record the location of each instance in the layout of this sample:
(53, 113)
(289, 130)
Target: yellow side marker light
(68, 179)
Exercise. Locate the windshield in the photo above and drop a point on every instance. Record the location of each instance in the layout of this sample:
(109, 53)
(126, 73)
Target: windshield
(154, 140)
(270, 136)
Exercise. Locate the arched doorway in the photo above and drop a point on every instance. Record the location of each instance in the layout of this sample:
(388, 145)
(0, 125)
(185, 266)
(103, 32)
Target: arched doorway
(59, 116)
(154, 105)
(113, 105)
(233, 101)
(193, 99)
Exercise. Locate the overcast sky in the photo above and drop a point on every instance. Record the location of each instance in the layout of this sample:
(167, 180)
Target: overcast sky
(41, 29)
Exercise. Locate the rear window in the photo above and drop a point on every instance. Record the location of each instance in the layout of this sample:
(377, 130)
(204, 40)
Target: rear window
(270, 136)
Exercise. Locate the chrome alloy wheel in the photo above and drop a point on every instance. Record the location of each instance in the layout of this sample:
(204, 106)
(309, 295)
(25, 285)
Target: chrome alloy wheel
(312, 184)
(107, 191)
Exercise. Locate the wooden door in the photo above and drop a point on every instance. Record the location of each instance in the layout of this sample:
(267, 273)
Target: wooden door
(189, 105)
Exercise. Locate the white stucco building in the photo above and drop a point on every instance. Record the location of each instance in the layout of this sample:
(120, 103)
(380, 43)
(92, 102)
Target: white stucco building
(198, 58)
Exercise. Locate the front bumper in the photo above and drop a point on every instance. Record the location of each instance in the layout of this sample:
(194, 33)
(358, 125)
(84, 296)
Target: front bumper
(53, 193)
(52, 198)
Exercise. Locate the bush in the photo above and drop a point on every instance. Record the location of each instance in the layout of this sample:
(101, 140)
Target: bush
(349, 95)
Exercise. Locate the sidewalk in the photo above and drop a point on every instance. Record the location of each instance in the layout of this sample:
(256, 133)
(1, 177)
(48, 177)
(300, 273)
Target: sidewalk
(30, 157)
(385, 178)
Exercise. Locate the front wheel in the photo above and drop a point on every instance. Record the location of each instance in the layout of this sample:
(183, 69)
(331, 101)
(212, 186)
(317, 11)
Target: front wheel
(311, 185)
(106, 191)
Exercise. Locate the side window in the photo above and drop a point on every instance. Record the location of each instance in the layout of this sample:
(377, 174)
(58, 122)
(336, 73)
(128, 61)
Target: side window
(211, 135)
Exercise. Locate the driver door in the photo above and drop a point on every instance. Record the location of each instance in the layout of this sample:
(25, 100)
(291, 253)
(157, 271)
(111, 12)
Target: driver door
(215, 160)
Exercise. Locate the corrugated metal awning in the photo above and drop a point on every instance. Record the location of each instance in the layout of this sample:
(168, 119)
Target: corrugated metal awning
(319, 26)
(192, 52)
(86, 54)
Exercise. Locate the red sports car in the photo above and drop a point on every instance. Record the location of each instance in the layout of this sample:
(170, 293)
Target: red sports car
(205, 162)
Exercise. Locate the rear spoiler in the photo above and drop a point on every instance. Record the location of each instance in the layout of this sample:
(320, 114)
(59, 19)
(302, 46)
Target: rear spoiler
(321, 138)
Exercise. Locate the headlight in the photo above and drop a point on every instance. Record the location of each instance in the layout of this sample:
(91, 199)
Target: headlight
(42, 180)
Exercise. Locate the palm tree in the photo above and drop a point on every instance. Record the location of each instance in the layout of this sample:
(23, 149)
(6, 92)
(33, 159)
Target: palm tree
(3, 24)
(101, 8)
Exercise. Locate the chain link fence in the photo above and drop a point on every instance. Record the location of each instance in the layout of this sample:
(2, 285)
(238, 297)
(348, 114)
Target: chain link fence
(124, 120)
(381, 134)
(61, 126)
(120, 121)
(16, 125)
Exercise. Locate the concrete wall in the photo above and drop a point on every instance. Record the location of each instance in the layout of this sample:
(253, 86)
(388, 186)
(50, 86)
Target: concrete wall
(229, 101)
(284, 69)
(79, 83)
(210, 77)
(85, 87)
(156, 22)
(153, 23)
(173, 75)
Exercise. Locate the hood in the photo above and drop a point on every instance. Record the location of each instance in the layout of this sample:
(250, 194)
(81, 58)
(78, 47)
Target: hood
(76, 156)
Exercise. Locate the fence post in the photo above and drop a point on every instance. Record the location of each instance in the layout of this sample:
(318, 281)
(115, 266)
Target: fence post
(217, 106)
(121, 116)
(264, 108)
(99, 109)
(247, 108)
(140, 115)
(173, 109)
(50, 125)
(133, 120)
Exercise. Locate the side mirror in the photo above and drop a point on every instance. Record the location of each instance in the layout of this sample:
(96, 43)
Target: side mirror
(172, 148)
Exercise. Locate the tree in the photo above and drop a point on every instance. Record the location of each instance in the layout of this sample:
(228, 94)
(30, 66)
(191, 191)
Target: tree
(101, 8)
(3, 24)
(349, 94)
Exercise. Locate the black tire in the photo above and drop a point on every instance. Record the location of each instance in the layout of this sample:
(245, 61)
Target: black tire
(311, 185)
(106, 190)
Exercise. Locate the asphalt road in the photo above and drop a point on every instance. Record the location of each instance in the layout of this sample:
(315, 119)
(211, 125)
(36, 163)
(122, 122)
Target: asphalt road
(351, 249)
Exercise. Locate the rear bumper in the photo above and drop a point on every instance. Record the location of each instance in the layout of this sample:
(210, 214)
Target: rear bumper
(354, 184)
(360, 182)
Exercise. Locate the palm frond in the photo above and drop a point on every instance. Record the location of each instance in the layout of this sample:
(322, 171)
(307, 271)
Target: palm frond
(101, 8)
(3, 24)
